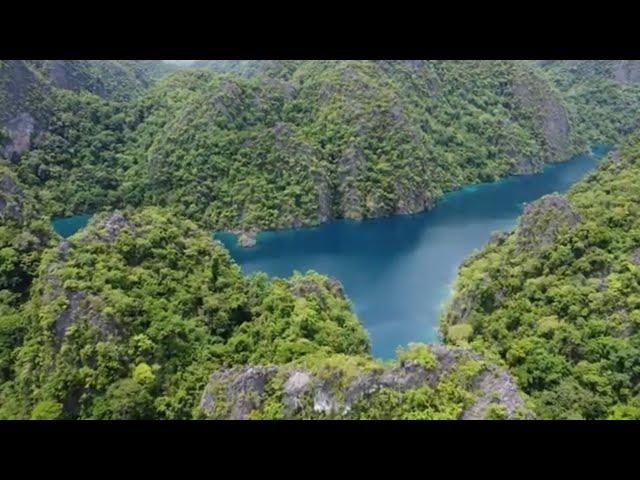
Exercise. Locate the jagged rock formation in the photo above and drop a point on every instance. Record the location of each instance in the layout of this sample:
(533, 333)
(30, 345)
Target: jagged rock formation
(550, 114)
(11, 199)
(352, 391)
(543, 219)
(24, 107)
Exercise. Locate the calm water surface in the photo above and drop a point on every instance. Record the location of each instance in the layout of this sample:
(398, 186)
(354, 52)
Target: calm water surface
(398, 271)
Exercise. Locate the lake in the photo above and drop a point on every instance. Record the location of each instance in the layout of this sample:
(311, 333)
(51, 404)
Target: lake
(398, 271)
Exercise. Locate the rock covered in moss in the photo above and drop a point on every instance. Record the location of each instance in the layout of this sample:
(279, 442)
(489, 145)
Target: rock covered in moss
(543, 219)
(247, 239)
(456, 382)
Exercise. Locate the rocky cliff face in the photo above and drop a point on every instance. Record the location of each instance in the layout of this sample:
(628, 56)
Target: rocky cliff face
(11, 199)
(27, 91)
(24, 106)
(627, 72)
(543, 219)
(348, 392)
(119, 79)
(549, 112)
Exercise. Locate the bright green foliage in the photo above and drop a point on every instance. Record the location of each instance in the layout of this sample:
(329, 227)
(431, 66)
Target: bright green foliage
(129, 317)
(23, 238)
(46, 410)
(564, 317)
(417, 352)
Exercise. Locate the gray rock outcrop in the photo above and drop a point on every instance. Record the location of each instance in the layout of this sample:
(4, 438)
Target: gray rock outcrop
(235, 393)
(247, 239)
(543, 219)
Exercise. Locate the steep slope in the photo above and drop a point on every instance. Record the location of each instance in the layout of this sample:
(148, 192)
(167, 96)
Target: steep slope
(24, 233)
(558, 299)
(310, 141)
(30, 93)
(300, 142)
(24, 236)
(127, 319)
(117, 79)
(24, 107)
(603, 96)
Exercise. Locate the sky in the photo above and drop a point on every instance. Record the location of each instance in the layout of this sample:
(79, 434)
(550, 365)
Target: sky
(184, 63)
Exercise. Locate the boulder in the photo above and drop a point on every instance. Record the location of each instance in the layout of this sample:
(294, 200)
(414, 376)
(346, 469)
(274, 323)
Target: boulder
(247, 239)
(542, 220)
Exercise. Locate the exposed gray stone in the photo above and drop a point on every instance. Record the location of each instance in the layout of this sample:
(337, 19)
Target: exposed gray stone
(10, 199)
(68, 316)
(627, 72)
(297, 385)
(247, 239)
(20, 128)
(543, 219)
(245, 387)
(494, 386)
(234, 393)
(551, 114)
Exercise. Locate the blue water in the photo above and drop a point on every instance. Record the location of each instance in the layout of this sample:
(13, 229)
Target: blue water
(398, 271)
(65, 227)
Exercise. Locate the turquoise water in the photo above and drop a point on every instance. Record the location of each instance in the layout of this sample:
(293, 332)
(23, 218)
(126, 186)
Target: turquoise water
(65, 227)
(398, 271)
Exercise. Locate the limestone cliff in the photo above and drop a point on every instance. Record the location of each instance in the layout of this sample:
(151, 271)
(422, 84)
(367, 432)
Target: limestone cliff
(352, 388)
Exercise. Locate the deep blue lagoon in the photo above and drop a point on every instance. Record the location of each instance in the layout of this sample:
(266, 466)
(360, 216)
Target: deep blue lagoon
(398, 271)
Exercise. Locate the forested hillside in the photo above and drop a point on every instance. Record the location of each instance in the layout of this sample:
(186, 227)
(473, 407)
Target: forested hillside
(288, 143)
(129, 318)
(603, 96)
(558, 299)
(143, 315)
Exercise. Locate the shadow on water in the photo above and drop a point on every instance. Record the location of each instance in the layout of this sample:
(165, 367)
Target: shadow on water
(398, 271)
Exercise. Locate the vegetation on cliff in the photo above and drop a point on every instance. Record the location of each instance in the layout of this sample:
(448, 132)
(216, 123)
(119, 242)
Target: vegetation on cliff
(558, 299)
(426, 383)
(297, 142)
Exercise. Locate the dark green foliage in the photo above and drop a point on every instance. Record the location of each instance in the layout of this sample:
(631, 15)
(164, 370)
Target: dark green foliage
(297, 142)
(603, 95)
(24, 235)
